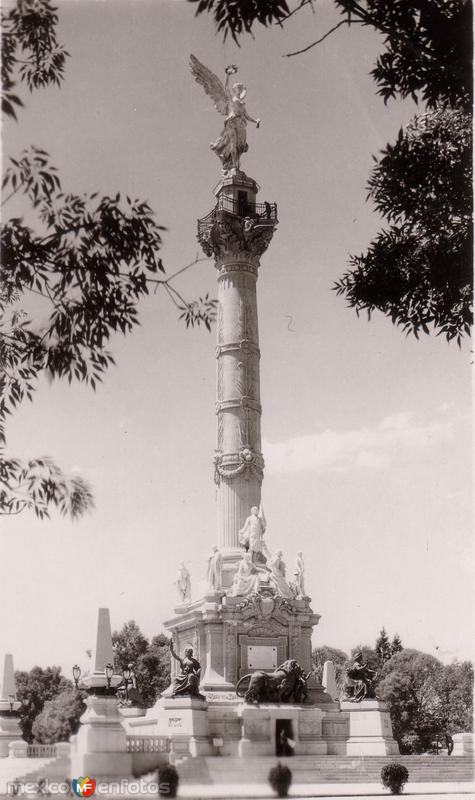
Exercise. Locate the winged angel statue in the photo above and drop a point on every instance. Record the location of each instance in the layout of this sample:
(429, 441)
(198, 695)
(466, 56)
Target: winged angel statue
(230, 103)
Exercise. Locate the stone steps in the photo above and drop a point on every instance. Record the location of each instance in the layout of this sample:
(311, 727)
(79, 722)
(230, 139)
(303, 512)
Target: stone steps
(323, 769)
(53, 768)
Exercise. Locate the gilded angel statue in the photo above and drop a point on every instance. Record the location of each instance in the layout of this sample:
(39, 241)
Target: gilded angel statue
(230, 103)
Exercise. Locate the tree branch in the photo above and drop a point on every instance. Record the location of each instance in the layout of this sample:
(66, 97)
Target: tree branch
(328, 33)
(14, 192)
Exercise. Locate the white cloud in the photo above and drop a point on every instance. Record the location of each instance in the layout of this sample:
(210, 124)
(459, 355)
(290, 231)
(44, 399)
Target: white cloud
(372, 448)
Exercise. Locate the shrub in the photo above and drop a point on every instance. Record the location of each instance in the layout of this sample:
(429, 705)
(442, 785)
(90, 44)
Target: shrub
(280, 778)
(168, 780)
(394, 776)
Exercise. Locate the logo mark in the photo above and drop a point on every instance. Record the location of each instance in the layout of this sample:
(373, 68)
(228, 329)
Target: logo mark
(83, 787)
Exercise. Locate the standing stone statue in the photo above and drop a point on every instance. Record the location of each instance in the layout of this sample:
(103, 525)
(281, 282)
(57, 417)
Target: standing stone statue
(215, 569)
(232, 142)
(277, 567)
(251, 536)
(187, 682)
(299, 573)
(183, 583)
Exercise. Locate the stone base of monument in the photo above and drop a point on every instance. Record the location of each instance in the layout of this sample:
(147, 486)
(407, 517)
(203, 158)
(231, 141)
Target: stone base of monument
(10, 731)
(370, 729)
(185, 721)
(100, 746)
(262, 727)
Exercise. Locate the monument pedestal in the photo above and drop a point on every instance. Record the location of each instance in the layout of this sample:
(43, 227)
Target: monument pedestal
(185, 721)
(10, 730)
(370, 729)
(100, 747)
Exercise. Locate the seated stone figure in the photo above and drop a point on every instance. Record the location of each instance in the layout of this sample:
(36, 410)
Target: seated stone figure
(246, 579)
(360, 683)
(187, 682)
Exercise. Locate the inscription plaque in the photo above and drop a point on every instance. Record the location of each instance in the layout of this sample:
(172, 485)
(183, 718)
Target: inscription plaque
(261, 656)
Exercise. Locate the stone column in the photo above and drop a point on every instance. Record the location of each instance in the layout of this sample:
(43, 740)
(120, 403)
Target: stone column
(236, 234)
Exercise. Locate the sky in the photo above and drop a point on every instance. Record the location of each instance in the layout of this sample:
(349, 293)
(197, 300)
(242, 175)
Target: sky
(366, 432)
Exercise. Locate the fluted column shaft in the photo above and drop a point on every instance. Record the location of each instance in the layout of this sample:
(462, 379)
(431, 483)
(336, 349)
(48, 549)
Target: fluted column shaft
(239, 462)
(237, 238)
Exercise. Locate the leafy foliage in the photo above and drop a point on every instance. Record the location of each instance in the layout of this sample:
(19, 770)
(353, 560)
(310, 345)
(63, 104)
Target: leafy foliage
(396, 644)
(394, 776)
(150, 660)
(418, 271)
(34, 689)
(280, 778)
(59, 719)
(88, 260)
(382, 647)
(427, 48)
(236, 17)
(454, 686)
(168, 780)
(412, 683)
(30, 50)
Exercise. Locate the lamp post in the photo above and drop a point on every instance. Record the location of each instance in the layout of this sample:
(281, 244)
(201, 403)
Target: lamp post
(109, 670)
(76, 674)
(128, 675)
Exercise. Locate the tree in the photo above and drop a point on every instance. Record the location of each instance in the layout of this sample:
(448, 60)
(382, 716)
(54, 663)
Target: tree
(396, 644)
(418, 271)
(454, 685)
(382, 647)
(408, 684)
(88, 260)
(339, 658)
(150, 660)
(34, 689)
(59, 719)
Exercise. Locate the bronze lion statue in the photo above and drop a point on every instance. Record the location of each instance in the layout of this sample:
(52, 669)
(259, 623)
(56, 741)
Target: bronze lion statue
(287, 684)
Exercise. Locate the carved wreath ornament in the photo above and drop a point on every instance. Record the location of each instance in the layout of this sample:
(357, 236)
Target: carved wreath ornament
(248, 466)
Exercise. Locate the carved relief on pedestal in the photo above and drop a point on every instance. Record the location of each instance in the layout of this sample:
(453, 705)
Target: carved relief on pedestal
(265, 604)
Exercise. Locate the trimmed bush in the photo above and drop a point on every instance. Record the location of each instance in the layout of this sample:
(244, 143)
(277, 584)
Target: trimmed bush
(280, 778)
(168, 781)
(394, 776)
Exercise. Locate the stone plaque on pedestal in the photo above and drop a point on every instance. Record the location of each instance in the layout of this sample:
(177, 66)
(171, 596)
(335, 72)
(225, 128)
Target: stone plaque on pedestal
(261, 657)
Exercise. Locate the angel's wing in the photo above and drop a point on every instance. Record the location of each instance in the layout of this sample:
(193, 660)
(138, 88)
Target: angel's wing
(210, 83)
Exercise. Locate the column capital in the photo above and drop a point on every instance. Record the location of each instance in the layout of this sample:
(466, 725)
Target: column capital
(235, 242)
